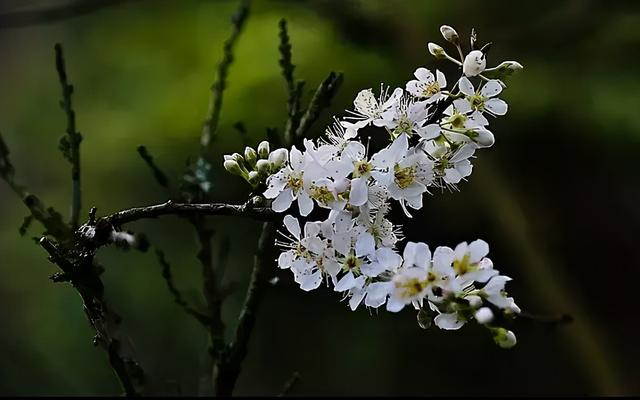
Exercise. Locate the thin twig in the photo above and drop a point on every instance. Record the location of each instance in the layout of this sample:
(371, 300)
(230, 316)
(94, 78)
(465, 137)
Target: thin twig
(553, 319)
(321, 99)
(217, 89)
(290, 384)
(229, 366)
(177, 296)
(158, 174)
(70, 144)
(20, 19)
(294, 88)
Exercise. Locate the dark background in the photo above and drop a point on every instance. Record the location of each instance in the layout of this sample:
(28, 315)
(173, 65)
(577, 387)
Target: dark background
(556, 197)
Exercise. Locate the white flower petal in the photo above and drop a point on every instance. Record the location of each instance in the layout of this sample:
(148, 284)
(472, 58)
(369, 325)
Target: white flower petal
(448, 321)
(305, 204)
(283, 201)
(478, 249)
(359, 191)
(293, 226)
(365, 244)
(491, 88)
(424, 75)
(496, 106)
(466, 86)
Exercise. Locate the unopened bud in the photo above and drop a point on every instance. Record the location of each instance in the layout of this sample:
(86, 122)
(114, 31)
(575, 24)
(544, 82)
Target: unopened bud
(263, 166)
(504, 338)
(278, 157)
(263, 149)
(253, 178)
(251, 156)
(450, 34)
(228, 157)
(233, 167)
(237, 157)
(474, 63)
(484, 315)
(437, 51)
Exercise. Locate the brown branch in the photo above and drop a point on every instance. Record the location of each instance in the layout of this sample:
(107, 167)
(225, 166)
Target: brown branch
(189, 209)
(70, 144)
(229, 365)
(20, 19)
(79, 269)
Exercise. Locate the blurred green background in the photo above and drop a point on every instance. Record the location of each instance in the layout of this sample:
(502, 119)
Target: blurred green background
(556, 197)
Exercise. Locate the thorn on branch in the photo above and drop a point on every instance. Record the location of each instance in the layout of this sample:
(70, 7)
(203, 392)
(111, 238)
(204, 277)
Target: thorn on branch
(159, 176)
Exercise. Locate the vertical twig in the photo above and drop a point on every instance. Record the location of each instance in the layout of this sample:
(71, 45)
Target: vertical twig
(229, 365)
(217, 89)
(70, 144)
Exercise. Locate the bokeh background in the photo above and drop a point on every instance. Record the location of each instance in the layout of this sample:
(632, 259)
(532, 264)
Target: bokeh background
(557, 196)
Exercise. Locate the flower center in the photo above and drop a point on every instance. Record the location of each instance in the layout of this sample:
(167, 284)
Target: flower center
(477, 102)
(457, 120)
(404, 177)
(411, 287)
(430, 89)
(361, 168)
(462, 266)
(295, 181)
(352, 263)
(405, 125)
(322, 194)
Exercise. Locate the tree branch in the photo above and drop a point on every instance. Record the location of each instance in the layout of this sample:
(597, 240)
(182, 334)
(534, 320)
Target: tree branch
(170, 208)
(217, 89)
(177, 296)
(321, 99)
(79, 269)
(25, 18)
(70, 144)
(229, 365)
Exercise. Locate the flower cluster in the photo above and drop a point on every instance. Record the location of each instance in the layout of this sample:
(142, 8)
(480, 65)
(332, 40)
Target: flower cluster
(434, 133)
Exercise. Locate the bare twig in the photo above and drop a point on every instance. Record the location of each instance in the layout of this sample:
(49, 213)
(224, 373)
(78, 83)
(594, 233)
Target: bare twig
(554, 319)
(290, 384)
(229, 365)
(158, 174)
(170, 208)
(78, 268)
(217, 89)
(294, 88)
(70, 144)
(321, 99)
(177, 296)
(53, 14)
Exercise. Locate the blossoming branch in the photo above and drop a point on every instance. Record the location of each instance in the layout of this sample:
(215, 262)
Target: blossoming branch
(433, 133)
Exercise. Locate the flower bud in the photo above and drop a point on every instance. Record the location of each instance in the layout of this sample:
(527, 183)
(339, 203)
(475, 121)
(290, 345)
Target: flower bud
(474, 301)
(484, 315)
(263, 166)
(437, 51)
(228, 157)
(254, 177)
(237, 157)
(233, 167)
(278, 157)
(250, 155)
(450, 34)
(474, 63)
(504, 338)
(263, 149)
